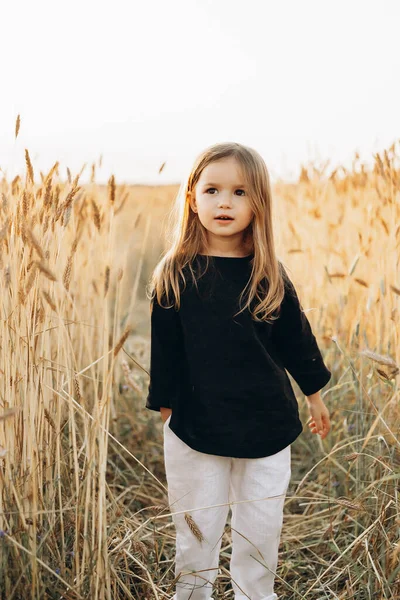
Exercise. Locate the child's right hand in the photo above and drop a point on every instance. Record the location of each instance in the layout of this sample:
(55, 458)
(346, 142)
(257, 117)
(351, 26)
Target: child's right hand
(165, 412)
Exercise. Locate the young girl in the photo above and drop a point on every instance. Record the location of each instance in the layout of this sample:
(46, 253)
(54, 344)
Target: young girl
(226, 325)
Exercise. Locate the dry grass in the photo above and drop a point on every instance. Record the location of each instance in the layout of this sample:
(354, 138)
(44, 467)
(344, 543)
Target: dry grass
(83, 504)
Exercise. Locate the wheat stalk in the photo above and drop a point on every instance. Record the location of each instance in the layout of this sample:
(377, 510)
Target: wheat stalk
(31, 279)
(49, 419)
(111, 189)
(49, 300)
(106, 280)
(33, 242)
(193, 527)
(96, 215)
(67, 272)
(379, 358)
(349, 504)
(17, 126)
(29, 167)
(46, 271)
(122, 340)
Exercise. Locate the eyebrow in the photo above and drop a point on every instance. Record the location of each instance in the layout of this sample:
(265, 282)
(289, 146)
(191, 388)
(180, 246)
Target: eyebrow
(216, 185)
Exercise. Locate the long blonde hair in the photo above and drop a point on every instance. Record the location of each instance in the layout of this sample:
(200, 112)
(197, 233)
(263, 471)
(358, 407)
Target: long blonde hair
(188, 237)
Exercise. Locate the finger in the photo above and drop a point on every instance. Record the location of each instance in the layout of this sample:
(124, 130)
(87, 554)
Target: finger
(325, 430)
(326, 422)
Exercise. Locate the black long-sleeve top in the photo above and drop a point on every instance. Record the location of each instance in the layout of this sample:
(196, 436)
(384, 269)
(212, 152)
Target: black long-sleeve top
(224, 377)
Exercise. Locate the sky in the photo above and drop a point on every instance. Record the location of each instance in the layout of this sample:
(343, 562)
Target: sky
(145, 82)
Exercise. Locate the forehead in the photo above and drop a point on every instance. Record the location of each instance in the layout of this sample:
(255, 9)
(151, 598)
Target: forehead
(226, 171)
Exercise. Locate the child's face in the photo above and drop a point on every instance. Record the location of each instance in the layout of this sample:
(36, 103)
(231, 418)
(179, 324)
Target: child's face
(221, 190)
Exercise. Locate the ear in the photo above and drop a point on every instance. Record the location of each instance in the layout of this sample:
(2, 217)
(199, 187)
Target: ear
(192, 201)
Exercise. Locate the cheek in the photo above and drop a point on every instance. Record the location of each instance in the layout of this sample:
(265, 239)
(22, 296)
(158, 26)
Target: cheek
(248, 214)
(204, 210)
(203, 215)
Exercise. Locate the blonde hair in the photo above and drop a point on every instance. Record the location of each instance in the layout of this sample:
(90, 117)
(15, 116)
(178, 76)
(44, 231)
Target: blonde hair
(265, 289)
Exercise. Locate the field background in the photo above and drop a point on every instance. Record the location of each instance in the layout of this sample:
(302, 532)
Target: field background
(83, 505)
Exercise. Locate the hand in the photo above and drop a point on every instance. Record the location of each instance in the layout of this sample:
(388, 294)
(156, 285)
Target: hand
(319, 421)
(165, 412)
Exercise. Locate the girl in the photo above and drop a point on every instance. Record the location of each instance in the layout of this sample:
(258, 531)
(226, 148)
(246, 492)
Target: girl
(226, 325)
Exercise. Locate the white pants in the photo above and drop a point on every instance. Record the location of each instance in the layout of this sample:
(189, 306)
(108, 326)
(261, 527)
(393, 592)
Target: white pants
(195, 480)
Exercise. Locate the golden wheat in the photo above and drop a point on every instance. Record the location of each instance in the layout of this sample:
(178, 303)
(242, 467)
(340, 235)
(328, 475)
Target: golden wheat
(81, 460)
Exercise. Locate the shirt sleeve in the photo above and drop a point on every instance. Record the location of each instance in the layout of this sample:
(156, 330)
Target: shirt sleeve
(165, 356)
(296, 344)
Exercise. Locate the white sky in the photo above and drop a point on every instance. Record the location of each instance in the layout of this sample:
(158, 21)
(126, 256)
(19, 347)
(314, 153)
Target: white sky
(143, 82)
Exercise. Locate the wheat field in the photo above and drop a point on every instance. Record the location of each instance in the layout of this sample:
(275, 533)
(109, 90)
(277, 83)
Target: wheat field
(83, 504)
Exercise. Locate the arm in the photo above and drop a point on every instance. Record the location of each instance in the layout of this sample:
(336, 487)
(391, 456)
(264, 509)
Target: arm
(165, 359)
(296, 344)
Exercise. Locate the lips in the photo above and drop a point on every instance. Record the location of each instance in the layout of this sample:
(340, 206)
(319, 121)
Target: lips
(224, 218)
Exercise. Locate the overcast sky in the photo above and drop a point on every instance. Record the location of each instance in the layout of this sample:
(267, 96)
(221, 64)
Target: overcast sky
(143, 82)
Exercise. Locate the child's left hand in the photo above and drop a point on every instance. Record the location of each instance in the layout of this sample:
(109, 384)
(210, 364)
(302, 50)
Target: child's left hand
(319, 421)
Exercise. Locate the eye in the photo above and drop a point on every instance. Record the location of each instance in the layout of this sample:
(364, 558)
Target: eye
(238, 190)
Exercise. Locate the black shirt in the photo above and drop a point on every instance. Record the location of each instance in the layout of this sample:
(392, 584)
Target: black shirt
(225, 377)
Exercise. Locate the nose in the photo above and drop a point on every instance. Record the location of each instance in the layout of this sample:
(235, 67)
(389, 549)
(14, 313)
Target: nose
(224, 201)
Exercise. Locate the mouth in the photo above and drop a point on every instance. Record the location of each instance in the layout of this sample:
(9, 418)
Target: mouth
(223, 219)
